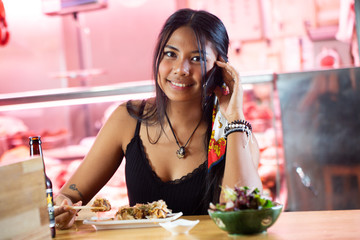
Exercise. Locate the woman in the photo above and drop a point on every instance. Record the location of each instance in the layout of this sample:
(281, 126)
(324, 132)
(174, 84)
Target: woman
(166, 141)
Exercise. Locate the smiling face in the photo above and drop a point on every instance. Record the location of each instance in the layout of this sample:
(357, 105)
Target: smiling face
(180, 75)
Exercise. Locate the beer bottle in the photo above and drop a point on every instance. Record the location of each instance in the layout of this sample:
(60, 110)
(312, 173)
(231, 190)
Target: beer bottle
(36, 150)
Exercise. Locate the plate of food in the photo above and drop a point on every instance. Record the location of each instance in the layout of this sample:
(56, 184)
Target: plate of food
(138, 216)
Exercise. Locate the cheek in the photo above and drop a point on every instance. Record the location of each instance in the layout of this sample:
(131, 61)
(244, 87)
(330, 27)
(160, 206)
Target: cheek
(163, 73)
(164, 69)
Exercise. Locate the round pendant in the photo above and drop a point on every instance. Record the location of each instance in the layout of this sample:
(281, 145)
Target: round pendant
(181, 152)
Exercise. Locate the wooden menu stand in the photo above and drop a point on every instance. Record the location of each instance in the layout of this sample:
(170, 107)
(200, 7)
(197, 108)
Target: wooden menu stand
(23, 209)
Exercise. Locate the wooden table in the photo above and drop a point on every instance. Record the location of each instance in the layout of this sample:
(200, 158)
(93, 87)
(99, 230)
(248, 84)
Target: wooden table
(344, 224)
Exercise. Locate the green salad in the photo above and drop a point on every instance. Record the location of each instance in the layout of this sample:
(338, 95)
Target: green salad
(241, 198)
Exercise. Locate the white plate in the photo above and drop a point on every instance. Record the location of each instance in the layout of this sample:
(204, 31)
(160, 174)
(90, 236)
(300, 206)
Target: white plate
(181, 226)
(105, 224)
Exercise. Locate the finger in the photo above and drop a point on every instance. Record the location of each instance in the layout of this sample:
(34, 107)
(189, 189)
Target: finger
(228, 87)
(229, 68)
(223, 59)
(66, 219)
(79, 203)
(221, 92)
(65, 202)
(230, 71)
(61, 210)
(65, 214)
(65, 207)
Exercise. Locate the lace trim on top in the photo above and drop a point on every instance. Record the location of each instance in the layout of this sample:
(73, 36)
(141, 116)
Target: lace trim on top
(175, 181)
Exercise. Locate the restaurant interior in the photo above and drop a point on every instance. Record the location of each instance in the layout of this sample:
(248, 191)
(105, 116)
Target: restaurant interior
(64, 70)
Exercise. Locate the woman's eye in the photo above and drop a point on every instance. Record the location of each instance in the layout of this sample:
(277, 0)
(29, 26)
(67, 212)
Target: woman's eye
(196, 59)
(169, 54)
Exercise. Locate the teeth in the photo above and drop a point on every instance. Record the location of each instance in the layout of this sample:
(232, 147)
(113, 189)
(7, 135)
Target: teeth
(179, 84)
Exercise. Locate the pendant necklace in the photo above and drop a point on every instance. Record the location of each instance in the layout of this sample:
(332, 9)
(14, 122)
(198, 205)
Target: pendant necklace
(181, 152)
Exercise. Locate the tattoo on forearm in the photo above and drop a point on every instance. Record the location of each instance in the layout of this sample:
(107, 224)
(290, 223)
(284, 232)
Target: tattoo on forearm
(73, 187)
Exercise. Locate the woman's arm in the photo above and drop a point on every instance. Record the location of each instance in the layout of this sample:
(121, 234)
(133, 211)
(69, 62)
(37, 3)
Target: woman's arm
(98, 166)
(103, 158)
(242, 161)
(242, 154)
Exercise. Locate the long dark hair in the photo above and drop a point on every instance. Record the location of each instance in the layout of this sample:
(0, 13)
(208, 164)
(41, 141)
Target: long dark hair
(207, 27)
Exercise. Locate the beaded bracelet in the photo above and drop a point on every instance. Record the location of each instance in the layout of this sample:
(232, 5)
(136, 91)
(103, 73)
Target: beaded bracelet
(236, 123)
(239, 126)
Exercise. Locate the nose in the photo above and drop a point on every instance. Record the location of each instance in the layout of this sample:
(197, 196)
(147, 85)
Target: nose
(182, 68)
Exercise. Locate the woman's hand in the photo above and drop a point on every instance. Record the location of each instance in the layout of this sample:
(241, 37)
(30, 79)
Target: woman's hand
(64, 215)
(230, 99)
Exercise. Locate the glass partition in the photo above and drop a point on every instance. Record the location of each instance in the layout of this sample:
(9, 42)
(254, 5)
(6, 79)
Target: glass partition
(321, 127)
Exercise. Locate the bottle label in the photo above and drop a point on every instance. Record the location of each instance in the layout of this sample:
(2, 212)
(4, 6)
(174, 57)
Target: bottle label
(50, 205)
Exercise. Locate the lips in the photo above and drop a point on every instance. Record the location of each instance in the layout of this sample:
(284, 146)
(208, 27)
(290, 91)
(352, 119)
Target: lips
(177, 84)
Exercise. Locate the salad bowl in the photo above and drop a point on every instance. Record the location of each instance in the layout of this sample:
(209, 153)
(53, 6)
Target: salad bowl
(245, 212)
(247, 221)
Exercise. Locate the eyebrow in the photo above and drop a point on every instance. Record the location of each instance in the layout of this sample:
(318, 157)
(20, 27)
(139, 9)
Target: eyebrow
(176, 49)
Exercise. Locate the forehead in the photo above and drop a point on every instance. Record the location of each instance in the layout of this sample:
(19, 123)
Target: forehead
(185, 38)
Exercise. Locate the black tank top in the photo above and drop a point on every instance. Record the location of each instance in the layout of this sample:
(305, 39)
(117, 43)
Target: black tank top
(182, 195)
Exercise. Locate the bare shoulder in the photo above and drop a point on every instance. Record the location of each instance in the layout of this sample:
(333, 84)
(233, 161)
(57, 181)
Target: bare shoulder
(121, 119)
(129, 111)
(122, 122)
